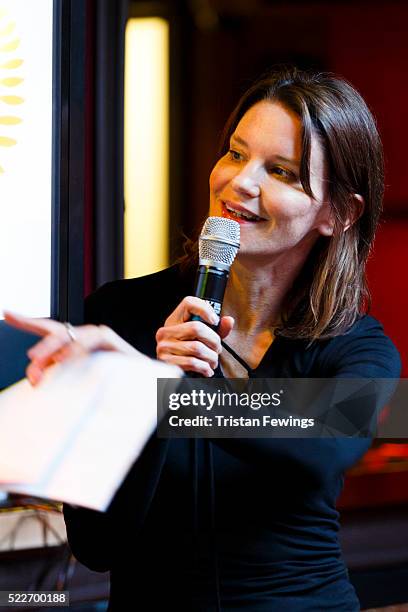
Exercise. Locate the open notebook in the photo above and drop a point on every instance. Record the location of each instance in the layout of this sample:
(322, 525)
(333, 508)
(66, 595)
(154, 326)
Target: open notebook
(74, 437)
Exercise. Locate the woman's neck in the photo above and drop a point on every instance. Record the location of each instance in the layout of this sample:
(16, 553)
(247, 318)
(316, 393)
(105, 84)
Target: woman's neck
(255, 294)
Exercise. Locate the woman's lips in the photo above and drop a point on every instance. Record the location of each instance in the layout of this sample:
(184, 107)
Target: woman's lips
(228, 214)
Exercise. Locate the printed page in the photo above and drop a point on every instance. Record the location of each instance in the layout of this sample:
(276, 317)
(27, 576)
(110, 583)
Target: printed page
(74, 436)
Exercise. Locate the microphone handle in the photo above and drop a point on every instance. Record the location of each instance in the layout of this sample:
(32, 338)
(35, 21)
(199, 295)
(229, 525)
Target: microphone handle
(210, 286)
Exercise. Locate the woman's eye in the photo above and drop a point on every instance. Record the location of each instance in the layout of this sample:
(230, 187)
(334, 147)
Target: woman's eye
(283, 173)
(235, 155)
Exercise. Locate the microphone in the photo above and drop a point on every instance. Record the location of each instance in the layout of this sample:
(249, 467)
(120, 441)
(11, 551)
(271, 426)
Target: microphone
(218, 246)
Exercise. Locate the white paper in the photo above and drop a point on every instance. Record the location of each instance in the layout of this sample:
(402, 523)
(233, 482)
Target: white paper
(74, 436)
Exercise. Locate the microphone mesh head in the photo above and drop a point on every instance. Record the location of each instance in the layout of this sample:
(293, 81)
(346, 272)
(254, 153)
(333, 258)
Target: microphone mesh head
(219, 241)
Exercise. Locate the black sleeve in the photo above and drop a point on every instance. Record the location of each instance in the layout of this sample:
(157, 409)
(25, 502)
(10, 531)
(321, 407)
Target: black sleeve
(365, 354)
(96, 538)
(90, 532)
(89, 537)
(93, 535)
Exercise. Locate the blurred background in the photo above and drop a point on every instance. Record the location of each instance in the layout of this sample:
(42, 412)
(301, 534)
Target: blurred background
(145, 90)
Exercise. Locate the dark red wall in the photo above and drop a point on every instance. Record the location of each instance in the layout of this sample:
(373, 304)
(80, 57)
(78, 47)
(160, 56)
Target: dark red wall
(369, 46)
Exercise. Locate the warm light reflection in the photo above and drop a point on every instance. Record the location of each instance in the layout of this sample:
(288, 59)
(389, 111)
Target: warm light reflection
(146, 145)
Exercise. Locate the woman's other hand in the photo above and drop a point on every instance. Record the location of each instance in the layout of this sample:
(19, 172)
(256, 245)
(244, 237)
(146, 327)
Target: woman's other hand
(60, 342)
(192, 345)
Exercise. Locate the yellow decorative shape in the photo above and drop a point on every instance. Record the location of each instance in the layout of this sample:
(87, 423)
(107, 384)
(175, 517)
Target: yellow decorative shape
(12, 100)
(8, 29)
(9, 42)
(9, 120)
(14, 63)
(11, 81)
(7, 142)
(11, 46)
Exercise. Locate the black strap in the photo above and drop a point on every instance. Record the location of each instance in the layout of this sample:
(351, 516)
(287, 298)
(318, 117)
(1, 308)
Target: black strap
(237, 357)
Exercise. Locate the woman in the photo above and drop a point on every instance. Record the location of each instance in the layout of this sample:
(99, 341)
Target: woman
(250, 524)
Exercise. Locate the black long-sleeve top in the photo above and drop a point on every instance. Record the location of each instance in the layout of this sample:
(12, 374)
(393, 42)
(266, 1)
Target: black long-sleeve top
(228, 524)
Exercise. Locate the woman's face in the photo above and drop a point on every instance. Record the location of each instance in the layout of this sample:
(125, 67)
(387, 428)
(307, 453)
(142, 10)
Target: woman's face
(259, 177)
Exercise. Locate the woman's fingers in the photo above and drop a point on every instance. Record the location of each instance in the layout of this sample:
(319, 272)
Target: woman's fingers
(40, 327)
(192, 345)
(34, 373)
(189, 364)
(43, 351)
(189, 306)
(58, 344)
(225, 326)
(195, 349)
(192, 330)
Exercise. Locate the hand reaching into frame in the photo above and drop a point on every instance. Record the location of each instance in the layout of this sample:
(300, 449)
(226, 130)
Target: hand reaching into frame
(62, 341)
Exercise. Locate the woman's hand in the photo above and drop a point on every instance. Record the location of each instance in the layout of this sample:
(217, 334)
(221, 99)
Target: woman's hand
(61, 342)
(192, 345)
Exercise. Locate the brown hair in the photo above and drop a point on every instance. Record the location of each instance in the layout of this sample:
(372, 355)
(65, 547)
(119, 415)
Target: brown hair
(331, 290)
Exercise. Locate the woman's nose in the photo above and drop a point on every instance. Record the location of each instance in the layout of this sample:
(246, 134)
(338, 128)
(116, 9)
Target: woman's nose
(247, 182)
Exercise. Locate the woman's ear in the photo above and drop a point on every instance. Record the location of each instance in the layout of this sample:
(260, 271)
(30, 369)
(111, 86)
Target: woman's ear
(326, 226)
(357, 209)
